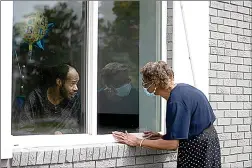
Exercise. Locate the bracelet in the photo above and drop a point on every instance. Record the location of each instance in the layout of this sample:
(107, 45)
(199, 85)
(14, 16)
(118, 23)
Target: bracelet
(141, 142)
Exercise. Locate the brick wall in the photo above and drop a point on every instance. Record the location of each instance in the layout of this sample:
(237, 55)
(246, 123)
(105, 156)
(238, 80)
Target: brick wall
(230, 79)
(107, 155)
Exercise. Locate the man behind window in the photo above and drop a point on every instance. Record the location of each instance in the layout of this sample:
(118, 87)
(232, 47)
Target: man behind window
(118, 100)
(54, 108)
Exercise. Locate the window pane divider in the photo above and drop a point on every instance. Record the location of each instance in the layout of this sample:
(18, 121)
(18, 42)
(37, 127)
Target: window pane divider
(164, 56)
(92, 56)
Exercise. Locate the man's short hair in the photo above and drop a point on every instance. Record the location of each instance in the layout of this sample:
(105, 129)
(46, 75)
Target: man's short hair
(57, 72)
(111, 69)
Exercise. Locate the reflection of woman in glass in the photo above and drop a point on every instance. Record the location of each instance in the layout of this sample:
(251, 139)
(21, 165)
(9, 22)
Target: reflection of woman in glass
(189, 120)
(118, 100)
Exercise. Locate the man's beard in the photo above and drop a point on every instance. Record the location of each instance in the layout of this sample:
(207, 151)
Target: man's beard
(63, 92)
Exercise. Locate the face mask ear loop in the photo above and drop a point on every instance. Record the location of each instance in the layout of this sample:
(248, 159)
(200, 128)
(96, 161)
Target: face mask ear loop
(149, 86)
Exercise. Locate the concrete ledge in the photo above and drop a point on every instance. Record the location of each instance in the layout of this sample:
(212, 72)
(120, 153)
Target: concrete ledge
(97, 155)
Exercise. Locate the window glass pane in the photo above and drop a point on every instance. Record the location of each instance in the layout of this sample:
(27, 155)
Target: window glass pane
(48, 74)
(128, 39)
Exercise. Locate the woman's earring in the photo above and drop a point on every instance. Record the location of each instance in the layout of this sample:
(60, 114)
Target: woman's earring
(155, 90)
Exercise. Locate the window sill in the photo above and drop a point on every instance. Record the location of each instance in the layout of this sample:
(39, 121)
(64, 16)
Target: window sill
(36, 141)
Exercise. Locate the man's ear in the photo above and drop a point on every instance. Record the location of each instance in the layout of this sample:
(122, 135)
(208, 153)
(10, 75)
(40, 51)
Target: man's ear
(58, 82)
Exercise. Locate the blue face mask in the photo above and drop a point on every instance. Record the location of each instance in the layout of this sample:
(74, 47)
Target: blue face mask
(148, 93)
(124, 90)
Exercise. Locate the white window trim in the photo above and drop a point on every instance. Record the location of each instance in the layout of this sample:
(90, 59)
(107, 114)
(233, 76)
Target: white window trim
(164, 15)
(6, 75)
(196, 15)
(92, 64)
(70, 139)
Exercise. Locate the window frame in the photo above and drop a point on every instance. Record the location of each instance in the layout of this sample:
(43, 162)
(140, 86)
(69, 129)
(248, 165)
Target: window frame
(92, 64)
(6, 75)
(92, 48)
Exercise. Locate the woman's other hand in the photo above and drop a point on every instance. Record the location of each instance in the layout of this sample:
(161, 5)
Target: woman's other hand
(151, 135)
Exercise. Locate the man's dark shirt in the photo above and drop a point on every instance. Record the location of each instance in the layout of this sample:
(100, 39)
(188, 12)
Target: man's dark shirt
(40, 116)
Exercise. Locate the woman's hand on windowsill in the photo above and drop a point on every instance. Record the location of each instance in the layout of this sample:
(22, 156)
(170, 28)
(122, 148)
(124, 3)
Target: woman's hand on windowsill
(126, 138)
(132, 140)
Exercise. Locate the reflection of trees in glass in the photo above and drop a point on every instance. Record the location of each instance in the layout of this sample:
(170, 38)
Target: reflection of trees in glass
(63, 44)
(119, 40)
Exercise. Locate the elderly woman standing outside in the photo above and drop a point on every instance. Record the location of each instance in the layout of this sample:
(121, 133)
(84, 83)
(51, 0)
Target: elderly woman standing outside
(189, 121)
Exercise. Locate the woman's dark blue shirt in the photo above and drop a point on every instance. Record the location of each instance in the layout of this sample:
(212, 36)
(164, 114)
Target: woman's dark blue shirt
(188, 113)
